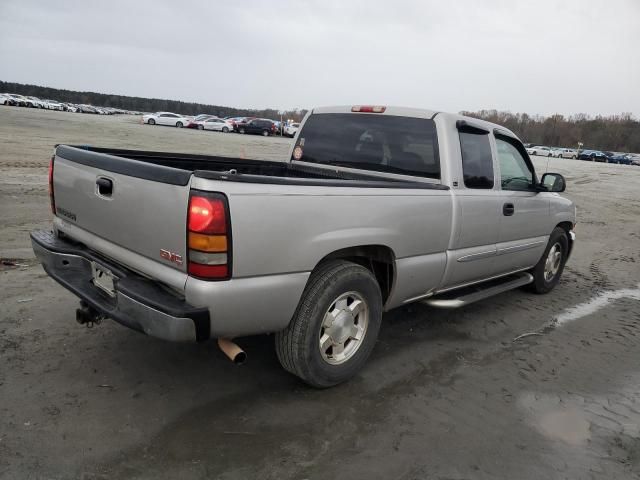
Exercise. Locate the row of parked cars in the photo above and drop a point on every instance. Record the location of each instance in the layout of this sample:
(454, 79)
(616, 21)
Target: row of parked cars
(250, 125)
(16, 100)
(590, 155)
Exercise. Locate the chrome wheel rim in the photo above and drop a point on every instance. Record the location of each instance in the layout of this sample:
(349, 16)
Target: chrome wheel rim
(552, 264)
(343, 328)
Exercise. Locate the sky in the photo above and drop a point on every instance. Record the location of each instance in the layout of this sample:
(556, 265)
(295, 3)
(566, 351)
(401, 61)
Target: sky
(539, 57)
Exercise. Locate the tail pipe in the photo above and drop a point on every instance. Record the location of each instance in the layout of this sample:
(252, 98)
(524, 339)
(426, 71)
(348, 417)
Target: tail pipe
(232, 350)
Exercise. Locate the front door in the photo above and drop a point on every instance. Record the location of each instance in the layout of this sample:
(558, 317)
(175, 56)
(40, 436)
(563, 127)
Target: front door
(524, 223)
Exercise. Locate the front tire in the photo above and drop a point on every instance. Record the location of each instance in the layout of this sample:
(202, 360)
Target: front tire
(547, 272)
(151, 121)
(200, 127)
(335, 326)
(225, 130)
(179, 124)
(265, 133)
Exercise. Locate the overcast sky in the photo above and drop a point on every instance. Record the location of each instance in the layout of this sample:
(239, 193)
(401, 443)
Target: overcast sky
(543, 56)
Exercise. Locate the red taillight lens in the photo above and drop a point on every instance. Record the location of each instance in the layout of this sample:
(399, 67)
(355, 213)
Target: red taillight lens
(368, 108)
(208, 236)
(207, 215)
(51, 197)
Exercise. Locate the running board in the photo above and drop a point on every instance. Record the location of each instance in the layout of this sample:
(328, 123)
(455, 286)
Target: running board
(467, 295)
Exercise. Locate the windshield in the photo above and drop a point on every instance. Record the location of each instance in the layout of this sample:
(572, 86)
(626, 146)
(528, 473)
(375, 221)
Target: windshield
(383, 143)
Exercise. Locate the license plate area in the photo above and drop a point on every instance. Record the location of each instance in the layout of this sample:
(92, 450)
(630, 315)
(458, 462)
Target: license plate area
(103, 279)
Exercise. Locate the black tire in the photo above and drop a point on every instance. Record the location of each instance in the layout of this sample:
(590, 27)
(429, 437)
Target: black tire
(179, 124)
(241, 130)
(541, 283)
(298, 346)
(265, 133)
(225, 130)
(151, 121)
(200, 127)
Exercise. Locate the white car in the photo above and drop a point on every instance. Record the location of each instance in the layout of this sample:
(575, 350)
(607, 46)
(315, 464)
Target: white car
(215, 124)
(565, 153)
(34, 102)
(291, 129)
(541, 151)
(4, 99)
(166, 118)
(53, 105)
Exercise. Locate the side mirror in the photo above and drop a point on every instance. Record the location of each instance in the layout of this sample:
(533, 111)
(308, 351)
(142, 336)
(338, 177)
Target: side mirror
(554, 182)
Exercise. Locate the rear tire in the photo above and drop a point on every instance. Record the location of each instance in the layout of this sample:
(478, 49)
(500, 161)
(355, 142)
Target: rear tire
(241, 130)
(265, 133)
(310, 346)
(547, 272)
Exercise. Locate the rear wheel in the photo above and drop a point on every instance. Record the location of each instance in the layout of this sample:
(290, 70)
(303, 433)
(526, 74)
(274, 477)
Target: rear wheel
(265, 133)
(179, 124)
(548, 270)
(335, 326)
(151, 121)
(241, 130)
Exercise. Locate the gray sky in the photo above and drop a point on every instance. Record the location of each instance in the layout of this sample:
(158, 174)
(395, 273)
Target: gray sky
(542, 56)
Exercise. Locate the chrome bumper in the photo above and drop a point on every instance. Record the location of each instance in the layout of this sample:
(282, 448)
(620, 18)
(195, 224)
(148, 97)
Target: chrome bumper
(137, 303)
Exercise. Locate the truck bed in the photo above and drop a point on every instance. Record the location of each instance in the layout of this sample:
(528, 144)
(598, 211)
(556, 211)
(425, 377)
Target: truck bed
(177, 168)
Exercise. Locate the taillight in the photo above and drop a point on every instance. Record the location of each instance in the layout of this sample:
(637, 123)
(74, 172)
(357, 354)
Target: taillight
(209, 236)
(51, 197)
(368, 108)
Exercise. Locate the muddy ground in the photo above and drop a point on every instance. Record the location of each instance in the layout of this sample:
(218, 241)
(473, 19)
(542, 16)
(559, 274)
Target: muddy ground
(446, 394)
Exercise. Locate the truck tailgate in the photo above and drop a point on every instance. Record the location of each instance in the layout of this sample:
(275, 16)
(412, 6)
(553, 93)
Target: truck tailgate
(141, 207)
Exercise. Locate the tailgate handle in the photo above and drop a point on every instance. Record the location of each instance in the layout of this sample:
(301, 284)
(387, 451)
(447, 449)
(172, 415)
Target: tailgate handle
(105, 186)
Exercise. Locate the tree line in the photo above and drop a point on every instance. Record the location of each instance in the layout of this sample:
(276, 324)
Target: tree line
(617, 133)
(141, 104)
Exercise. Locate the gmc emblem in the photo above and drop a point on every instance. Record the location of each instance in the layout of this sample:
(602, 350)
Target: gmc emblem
(172, 257)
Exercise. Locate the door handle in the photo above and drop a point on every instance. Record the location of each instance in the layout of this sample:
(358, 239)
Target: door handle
(508, 209)
(104, 186)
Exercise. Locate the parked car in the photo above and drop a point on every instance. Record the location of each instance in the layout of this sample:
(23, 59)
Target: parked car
(565, 153)
(291, 129)
(4, 99)
(593, 155)
(194, 122)
(621, 158)
(53, 105)
(216, 124)
(34, 102)
(329, 239)
(539, 150)
(166, 118)
(258, 126)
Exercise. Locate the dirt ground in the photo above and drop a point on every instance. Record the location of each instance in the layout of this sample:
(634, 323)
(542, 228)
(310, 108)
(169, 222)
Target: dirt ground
(446, 394)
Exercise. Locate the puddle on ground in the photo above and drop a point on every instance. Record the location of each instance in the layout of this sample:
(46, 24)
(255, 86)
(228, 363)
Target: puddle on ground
(555, 420)
(594, 304)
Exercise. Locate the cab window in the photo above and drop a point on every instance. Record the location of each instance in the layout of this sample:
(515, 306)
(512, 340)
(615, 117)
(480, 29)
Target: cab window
(515, 172)
(477, 161)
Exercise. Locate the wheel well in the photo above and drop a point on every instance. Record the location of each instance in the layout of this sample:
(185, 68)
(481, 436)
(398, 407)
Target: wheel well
(567, 227)
(378, 259)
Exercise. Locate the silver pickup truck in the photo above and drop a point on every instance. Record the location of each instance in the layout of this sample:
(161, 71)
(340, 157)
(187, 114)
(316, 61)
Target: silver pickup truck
(374, 208)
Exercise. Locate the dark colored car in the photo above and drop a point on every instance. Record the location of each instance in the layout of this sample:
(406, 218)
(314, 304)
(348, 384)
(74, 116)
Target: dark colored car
(258, 126)
(621, 158)
(593, 155)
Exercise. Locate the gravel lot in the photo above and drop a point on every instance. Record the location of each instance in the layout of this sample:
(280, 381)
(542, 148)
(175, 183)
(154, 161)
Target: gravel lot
(446, 394)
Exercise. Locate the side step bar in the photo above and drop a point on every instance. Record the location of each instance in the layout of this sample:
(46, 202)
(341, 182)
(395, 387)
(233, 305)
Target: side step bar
(467, 295)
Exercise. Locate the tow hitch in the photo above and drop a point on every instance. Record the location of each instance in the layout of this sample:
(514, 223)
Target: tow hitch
(86, 315)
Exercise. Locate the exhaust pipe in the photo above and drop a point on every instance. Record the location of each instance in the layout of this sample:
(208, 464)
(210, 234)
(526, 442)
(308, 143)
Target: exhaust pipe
(232, 350)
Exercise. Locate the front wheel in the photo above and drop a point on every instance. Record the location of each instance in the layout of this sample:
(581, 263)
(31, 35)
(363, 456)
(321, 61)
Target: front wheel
(241, 130)
(151, 121)
(265, 133)
(548, 270)
(179, 124)
(335, 326)
(200, 127)
(225, 130)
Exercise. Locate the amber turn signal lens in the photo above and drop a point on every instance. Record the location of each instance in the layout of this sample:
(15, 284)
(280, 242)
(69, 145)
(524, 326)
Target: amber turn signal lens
(207, 243)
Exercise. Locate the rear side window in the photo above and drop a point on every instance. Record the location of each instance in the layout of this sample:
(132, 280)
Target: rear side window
(382, 143)
(477, 162)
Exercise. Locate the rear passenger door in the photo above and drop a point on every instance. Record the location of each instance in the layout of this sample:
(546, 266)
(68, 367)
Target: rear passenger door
(477, 211)
(524, 223)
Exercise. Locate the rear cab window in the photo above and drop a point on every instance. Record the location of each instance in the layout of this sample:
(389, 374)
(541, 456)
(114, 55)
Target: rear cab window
(477, 160)
(381, 143)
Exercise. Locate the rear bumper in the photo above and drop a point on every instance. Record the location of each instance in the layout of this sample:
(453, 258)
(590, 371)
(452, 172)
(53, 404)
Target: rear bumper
(138, 303)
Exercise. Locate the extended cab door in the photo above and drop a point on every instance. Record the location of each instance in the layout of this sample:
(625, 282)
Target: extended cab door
(477, 203)
(524, 221)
